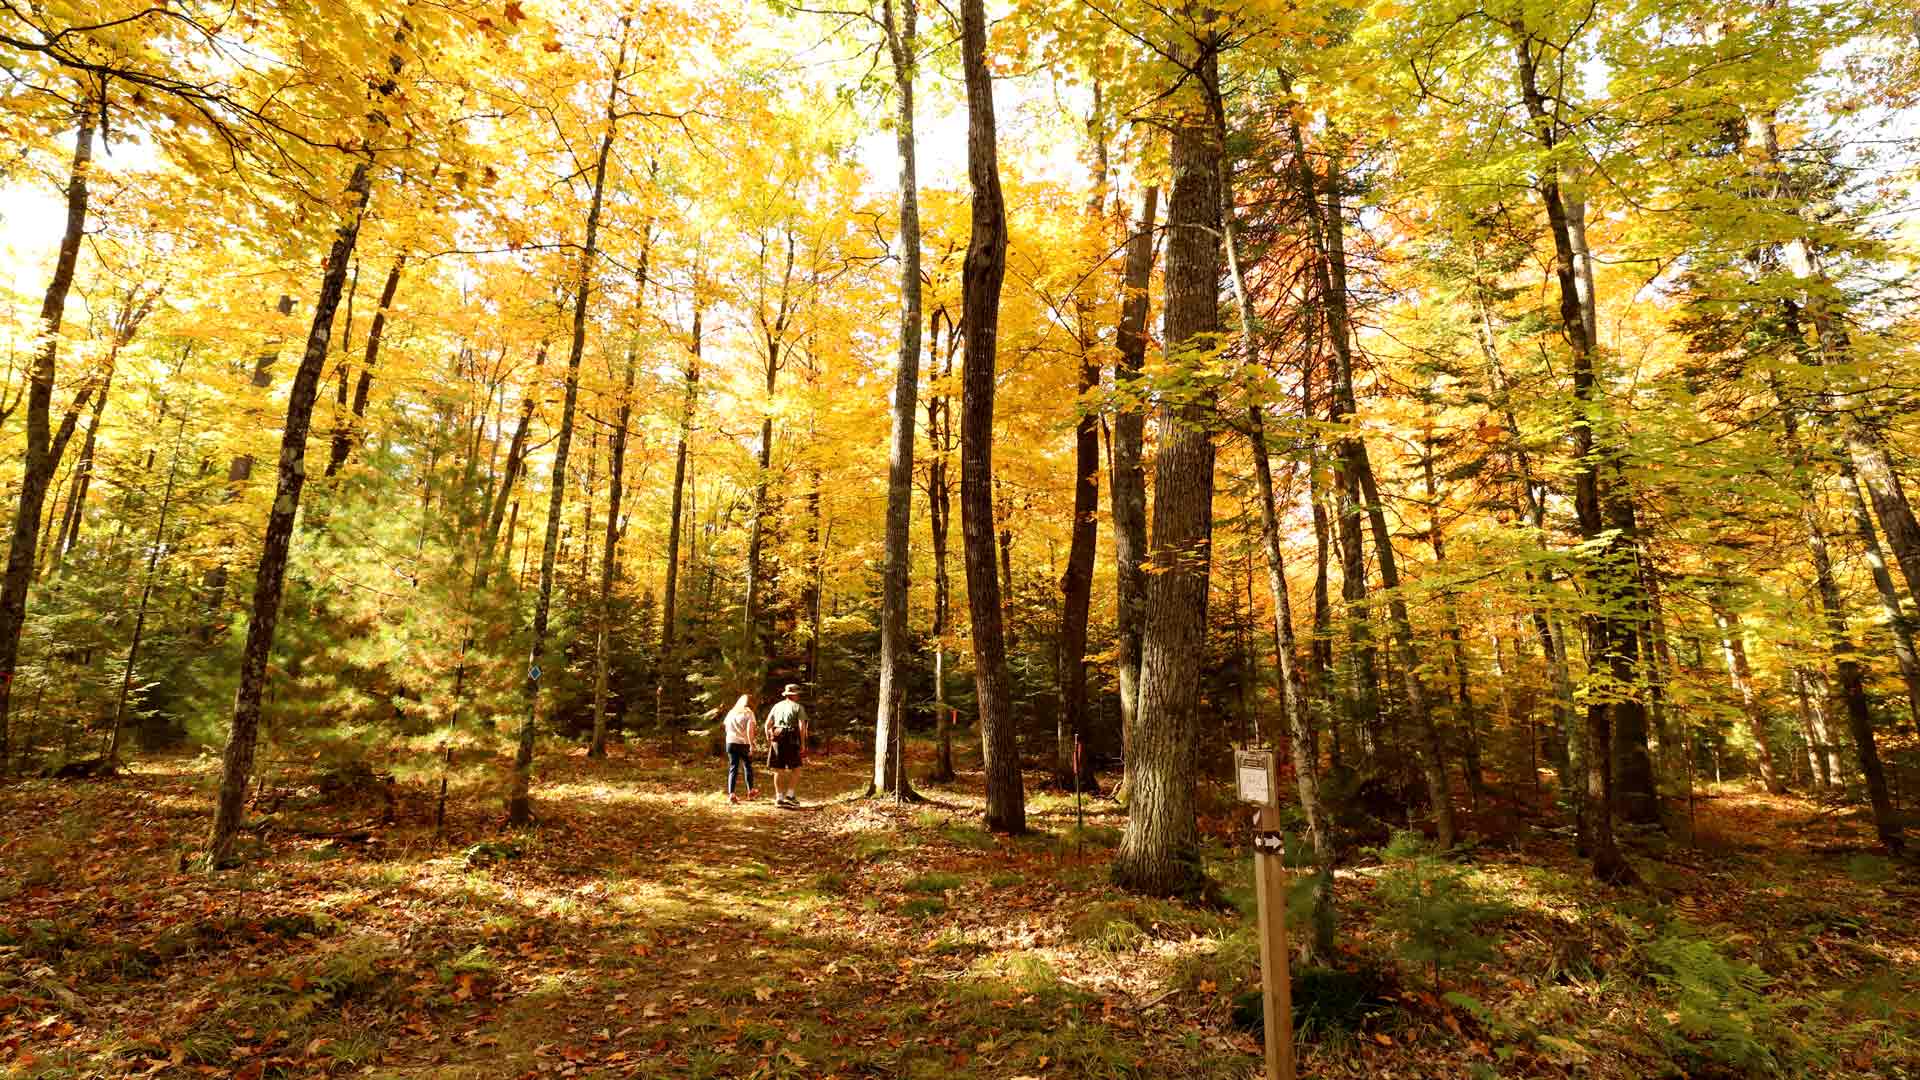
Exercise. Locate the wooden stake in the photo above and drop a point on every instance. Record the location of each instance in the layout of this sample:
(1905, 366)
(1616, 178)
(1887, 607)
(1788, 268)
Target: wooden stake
(1258, 781)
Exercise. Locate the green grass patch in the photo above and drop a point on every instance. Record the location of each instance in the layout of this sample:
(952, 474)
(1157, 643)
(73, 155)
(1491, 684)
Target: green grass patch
(923, 907)
(934, 884)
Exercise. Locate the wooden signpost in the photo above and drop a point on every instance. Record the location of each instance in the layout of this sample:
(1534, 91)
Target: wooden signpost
(1257, 781)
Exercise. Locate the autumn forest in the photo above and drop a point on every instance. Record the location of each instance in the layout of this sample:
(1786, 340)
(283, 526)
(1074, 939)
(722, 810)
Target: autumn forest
(422, 422)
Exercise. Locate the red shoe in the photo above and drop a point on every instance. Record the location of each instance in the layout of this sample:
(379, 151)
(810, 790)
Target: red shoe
(732, 798)
(753, 793)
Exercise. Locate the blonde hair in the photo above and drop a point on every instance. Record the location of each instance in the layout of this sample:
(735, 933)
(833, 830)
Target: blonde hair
(745, 702)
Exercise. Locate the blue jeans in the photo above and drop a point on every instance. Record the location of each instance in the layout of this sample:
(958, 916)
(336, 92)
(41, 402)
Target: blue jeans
(738, 757)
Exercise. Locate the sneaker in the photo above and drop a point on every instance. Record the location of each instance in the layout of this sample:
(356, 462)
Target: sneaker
(753, 793)
(732, 798)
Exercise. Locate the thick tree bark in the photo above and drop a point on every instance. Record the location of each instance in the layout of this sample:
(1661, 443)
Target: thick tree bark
(603, 632)
(902, 43)
(1812, 697)
(981, 277)
(270, 576)
(43, 447)
(1605, 644)
(1159, 853)
(1128, 486)
(344, 436)
(519, 802)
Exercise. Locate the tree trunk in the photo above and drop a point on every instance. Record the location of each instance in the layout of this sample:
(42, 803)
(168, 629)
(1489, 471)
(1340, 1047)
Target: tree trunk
(667, 693)
(902, 44)
(1332, 273)
(519, 803)
(1128, 487)
(270, 577)
(1318, 947)
(516, 465)
(155, 547)
(607, 549)
(1734, 648)
(1853, 689)
(940, 515)
(984, 269)
(1897, 622)
(43, 446)
(1813, 719)
(1363, 698)
(343, 436)
(1074, 770)
(1456, 638)
(139, 304)
(1159, 854)
(1604, 644)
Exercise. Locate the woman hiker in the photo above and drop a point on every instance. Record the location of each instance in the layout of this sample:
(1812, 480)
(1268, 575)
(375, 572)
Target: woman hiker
(787, 735)
(740, 732)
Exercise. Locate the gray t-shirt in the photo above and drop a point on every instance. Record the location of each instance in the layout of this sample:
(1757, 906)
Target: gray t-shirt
(786, 715)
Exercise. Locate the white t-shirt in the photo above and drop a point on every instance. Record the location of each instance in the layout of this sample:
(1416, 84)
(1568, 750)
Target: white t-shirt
(740, 726)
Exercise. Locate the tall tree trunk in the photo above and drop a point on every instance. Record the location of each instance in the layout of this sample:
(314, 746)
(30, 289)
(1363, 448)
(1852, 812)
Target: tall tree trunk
(1128, 487)
(940, 515)
(1332, 273)
(1897, 623)
(1321, 652)
(1635, 795)
(139, 304)
(516, 466)
(1363, 699)
(1853, 686)
(1318, 947)
(604, 630)
(1603, 644)
(155, 547)
(1813, 719)
(1456, 638)
(1159, 853)
(519, 802)
(344, 436)
(888, 776)
(667, 694)
(43, 447)
(1734, 647)
(981, 277)
(1074, 770)
(757, 643)
(270, 577)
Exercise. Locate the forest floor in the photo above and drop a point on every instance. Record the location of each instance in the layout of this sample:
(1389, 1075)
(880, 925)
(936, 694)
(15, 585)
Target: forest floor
(649, 928)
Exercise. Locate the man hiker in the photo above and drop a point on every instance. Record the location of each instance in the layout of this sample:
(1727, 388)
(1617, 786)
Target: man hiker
(787, 731)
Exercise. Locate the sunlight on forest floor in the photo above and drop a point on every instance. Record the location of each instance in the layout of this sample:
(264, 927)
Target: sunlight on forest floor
(649, 928)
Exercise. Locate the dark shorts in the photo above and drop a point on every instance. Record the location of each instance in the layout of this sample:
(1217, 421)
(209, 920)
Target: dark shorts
(784, 753)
